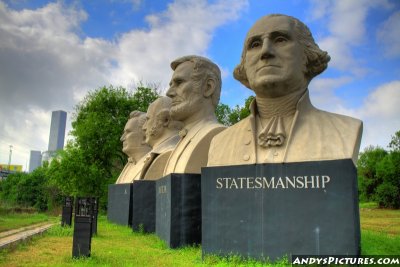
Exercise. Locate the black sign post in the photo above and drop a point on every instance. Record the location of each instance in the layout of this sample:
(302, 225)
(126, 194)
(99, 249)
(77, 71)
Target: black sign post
(83, 227)
(66, 218)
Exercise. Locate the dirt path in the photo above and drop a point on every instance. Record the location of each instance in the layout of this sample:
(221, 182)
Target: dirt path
(12, 236)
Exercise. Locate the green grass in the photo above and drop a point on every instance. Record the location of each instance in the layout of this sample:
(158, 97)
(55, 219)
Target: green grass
(16, 220)
(380, 233)
(374, 243)
(118, 246)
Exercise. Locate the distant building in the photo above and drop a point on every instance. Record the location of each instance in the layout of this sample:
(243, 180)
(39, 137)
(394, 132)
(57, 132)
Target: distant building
(57, 130)
(57, 134)
(35, 160)
(10, 168)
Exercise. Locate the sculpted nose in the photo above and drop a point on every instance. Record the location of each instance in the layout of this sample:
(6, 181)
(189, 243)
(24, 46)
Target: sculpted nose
(144, 127)
(171, 92)
(122, 138)
(267, 50)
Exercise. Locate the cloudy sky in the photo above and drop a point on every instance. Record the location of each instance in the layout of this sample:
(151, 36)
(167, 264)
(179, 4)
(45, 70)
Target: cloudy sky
(53, 52)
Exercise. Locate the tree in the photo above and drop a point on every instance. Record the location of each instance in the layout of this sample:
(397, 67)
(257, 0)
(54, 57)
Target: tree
(388, 170)
(222, 112)
(366, 167)
(99, 120)
(379, 174)
(94, 158)
(73, 173)
(395, 142)
(26, 189)
(229, 116)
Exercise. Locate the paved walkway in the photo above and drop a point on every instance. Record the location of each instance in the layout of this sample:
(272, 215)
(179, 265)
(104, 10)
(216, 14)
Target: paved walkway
(12, 236)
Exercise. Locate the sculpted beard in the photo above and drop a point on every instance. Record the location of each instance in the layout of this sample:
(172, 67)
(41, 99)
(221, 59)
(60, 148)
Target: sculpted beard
(186, 108)
(156, 129)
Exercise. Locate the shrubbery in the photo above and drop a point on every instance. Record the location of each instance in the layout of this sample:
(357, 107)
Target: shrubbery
(30, 190)
(379, 174)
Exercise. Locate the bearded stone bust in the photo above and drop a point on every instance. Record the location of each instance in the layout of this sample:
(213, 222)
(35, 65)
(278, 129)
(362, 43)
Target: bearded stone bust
(195, 90)
(162, 135)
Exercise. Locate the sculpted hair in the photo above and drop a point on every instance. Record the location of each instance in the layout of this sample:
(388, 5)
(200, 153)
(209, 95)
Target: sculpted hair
(163, 113)
(139, 116)
(203, 70)
(316, 59)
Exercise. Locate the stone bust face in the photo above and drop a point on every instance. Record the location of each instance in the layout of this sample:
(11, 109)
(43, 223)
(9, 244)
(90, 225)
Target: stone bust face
(274, 62)
(132, 138)
(157, 120)
(185, 93)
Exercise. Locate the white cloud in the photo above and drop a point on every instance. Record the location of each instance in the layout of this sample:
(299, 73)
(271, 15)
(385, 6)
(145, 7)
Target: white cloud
(388, 35)
(322, 92)
(380, 113)
(347, 30)
(46, 64)
(186, 27)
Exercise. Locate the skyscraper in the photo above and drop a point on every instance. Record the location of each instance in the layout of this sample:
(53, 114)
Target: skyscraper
(57, 130)
(35, 160)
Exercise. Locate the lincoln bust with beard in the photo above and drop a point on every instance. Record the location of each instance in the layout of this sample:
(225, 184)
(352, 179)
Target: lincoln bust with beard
(195, 90)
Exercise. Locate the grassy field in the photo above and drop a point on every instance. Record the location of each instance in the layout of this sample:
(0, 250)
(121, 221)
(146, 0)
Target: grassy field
(380, 233)
(17, 220)
(119, 246)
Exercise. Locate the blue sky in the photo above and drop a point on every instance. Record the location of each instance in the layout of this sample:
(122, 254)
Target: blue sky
(53, 52)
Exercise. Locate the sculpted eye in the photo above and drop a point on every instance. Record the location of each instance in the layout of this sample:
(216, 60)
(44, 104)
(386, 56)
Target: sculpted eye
(255, 43)
(280, 39)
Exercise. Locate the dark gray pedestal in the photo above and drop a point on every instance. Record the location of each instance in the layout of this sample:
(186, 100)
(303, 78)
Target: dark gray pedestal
(178, 209)
(119, 204)
(144, 206)
(295, 210)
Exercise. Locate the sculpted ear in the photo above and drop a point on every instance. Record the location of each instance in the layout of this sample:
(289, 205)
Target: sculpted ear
(210, 88)
(164, 117)
(166, 121)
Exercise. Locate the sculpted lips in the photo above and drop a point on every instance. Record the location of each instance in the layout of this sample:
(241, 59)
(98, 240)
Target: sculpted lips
(268, 66)
(176, 102)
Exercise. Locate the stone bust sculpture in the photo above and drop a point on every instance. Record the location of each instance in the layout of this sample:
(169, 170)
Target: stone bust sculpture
(195, 90)
(134, 147)
(162, 135)
(279, 59)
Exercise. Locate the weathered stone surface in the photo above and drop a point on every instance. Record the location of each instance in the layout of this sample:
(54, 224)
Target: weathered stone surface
(243, 216)
(178, 209)
(195, 88)
(134, 147)
(283, 125)
(162, 135)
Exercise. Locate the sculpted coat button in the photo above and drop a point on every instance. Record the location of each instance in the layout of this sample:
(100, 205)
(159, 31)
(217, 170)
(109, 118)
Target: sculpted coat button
(247, 142)
(246, 157)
